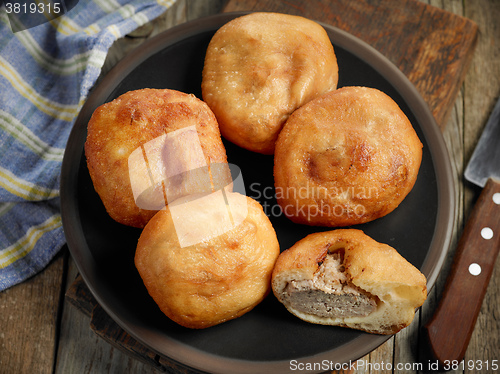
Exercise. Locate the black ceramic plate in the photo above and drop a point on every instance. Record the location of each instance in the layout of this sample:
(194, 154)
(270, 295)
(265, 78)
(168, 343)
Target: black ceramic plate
(268, 339)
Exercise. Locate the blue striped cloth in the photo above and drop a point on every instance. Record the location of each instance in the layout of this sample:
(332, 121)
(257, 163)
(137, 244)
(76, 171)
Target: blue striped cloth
(46, 73)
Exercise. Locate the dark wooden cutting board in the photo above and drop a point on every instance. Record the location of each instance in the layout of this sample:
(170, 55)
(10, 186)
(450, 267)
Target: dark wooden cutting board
(432, 47)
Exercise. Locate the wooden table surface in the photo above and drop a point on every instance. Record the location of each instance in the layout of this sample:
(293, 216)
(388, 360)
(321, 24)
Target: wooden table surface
(41, 333)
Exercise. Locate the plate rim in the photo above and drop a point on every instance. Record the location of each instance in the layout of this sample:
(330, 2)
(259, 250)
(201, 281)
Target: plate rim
(178, 350)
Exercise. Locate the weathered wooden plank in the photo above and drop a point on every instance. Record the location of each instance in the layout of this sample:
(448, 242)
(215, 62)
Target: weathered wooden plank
(108, 330)
(80, 296)
(381, 358)
(482, 89)
(29, 314)
(80, 350)
(405, 360)
(197, 9)
(361, 368)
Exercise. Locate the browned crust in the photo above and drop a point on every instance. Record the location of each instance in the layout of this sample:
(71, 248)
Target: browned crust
(259, 68)
(117, 128)
(213, 281)
(348, 157)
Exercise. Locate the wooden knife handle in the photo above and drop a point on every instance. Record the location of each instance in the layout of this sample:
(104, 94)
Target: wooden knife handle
(451, 326)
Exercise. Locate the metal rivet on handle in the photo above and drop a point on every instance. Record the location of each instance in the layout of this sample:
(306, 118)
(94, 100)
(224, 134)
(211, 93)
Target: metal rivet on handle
(496, 198)
(487, 233)
(474, 269)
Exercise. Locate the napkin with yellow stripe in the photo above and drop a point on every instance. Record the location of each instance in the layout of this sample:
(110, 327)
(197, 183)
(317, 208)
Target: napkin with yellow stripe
(46, 72)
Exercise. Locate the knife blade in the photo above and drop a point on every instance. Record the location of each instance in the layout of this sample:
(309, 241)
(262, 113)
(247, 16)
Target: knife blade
(449, 330)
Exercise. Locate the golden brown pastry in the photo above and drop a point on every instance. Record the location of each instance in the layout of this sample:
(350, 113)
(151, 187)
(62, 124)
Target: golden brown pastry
(345, 278)
(348, 157)
(259, 68)
(135, 142)
(225, 272)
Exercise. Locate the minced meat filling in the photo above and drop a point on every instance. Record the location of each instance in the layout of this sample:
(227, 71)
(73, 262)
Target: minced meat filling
(329, 293)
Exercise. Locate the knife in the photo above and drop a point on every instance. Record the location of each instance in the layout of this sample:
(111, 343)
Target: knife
(450, 328)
